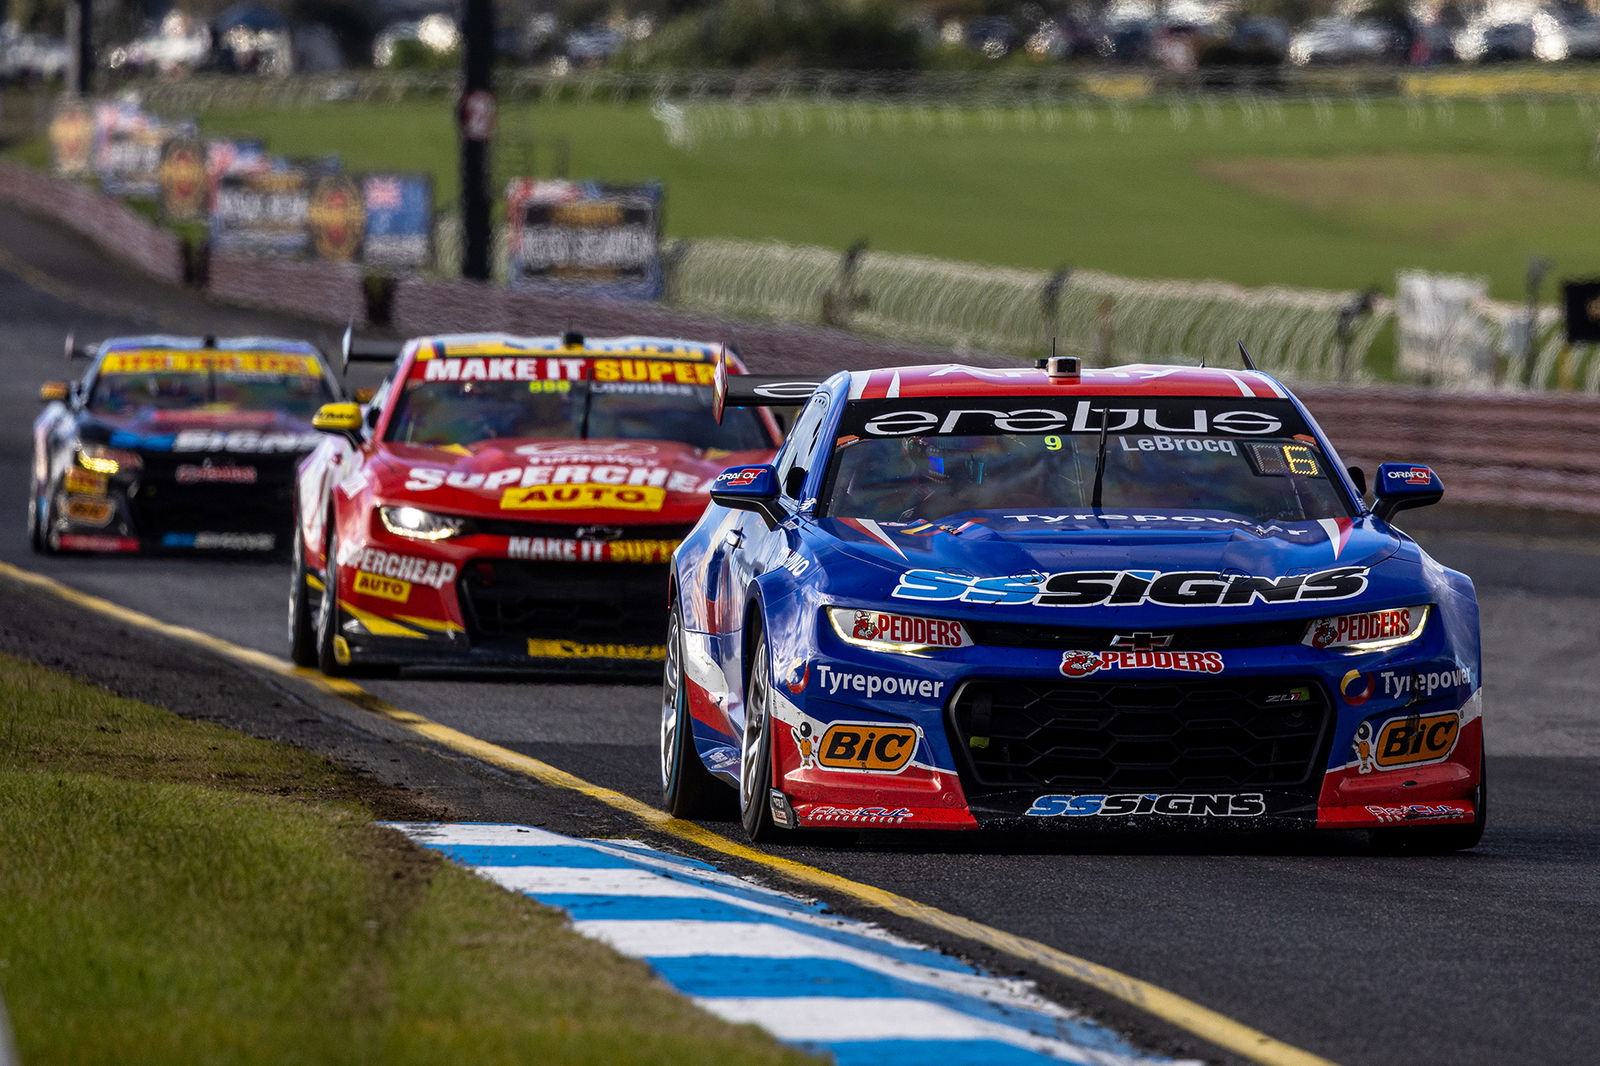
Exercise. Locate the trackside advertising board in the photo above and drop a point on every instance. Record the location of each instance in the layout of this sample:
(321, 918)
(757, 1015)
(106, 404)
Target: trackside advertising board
(399, 210)
(586, 238)
(263, 212)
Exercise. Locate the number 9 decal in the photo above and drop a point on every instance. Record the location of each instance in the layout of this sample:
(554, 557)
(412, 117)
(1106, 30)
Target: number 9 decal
(1052, 443)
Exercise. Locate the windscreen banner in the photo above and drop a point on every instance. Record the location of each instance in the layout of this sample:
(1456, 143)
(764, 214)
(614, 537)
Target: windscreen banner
(585, 238)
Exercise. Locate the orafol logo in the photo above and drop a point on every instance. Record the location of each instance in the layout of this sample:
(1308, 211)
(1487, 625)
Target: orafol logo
(1417, 475)
(738, 479)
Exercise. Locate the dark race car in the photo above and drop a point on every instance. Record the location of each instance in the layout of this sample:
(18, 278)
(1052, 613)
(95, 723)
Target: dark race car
(964, 598)
(509, 502)
(175, 444)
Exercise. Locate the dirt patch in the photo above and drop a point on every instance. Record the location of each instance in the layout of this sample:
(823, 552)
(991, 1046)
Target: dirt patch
(1443, 198)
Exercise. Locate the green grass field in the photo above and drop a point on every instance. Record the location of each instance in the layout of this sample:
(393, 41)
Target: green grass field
(172, 892)
(1332, 195)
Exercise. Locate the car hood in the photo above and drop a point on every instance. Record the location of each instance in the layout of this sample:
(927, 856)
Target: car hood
(995, 545)
(622, 482)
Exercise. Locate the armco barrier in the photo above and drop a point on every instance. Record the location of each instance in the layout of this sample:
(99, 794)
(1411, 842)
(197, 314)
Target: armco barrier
(1528, 451)
(331, 291)
(429, 306)
(109, 223)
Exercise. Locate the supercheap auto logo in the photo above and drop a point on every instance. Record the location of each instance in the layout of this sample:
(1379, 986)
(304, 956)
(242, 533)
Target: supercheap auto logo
(1182, 804)
(1084, 663)
(1131, 588)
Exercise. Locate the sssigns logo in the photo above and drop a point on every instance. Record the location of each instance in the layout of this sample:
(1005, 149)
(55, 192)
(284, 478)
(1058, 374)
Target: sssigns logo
(1132, 588)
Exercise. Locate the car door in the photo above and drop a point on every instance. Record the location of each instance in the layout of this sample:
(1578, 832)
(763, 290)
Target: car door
(751, 547)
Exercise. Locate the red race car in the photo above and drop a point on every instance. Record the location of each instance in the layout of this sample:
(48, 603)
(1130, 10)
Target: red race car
(509, 502)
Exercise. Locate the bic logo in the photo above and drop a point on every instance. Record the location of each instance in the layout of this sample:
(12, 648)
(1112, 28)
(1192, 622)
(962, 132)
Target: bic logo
(870, 746)
(1408, 741)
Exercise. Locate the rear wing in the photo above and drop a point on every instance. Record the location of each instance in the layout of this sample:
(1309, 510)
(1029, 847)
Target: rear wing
(758, 390)
(366, 349)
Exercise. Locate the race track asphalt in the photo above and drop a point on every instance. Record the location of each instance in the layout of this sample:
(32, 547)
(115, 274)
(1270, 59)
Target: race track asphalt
(1487, 957)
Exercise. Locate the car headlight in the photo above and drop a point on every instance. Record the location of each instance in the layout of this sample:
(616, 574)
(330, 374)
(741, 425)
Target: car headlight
(1368, 631)
(418, 524)
(886, 631)
(106, 460)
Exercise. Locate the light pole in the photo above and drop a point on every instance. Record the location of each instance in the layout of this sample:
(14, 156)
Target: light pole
(475, 115)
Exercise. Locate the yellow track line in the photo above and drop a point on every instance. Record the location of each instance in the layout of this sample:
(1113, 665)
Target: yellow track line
(1186, 1014)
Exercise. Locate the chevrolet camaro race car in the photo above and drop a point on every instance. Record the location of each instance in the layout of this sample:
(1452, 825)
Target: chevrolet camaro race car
(175, 444)
(509, 502)
(965, 598)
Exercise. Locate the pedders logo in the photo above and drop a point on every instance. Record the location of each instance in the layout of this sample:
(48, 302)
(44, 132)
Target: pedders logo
(882, 628)
(1393, 625)
(1084, 663)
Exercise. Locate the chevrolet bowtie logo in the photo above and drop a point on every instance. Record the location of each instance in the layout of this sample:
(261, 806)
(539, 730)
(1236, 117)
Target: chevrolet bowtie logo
(1141, 641)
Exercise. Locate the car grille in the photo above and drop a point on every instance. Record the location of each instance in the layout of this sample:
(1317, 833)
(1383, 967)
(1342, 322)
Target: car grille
(1189, 638)
(1108, 735)
(587, 603)
(162, 503)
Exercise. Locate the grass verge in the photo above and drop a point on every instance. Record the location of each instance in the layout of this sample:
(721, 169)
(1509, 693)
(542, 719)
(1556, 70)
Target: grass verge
(171, 891)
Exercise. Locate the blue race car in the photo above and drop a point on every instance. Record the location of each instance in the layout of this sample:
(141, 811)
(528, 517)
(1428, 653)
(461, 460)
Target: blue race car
(964, 598)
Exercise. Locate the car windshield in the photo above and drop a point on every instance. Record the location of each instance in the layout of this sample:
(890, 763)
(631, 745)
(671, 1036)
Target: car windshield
(468, 412)
(1256, 461)
(198, 381)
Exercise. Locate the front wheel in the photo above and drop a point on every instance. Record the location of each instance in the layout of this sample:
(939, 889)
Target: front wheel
(687, 787)
(41, 520)
(333, 655)
(302, 629)
(755, 750)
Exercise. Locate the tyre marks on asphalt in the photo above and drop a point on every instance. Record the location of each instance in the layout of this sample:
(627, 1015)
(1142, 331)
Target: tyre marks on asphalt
(750, 954)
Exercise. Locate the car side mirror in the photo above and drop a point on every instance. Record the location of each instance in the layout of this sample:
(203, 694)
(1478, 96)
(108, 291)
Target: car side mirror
(750, 488)
(1402, 486)
(341, 419)
(53, 392)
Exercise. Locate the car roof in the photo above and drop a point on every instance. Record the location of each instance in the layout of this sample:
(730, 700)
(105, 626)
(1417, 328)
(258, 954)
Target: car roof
(470, 344)
(167, 342)
(1140, 379)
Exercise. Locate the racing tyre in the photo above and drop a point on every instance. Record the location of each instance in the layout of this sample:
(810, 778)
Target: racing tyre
(327, 621)
(40, 520)
(1438, 839)
(755, 750)
(302, 630)
(688, 789)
